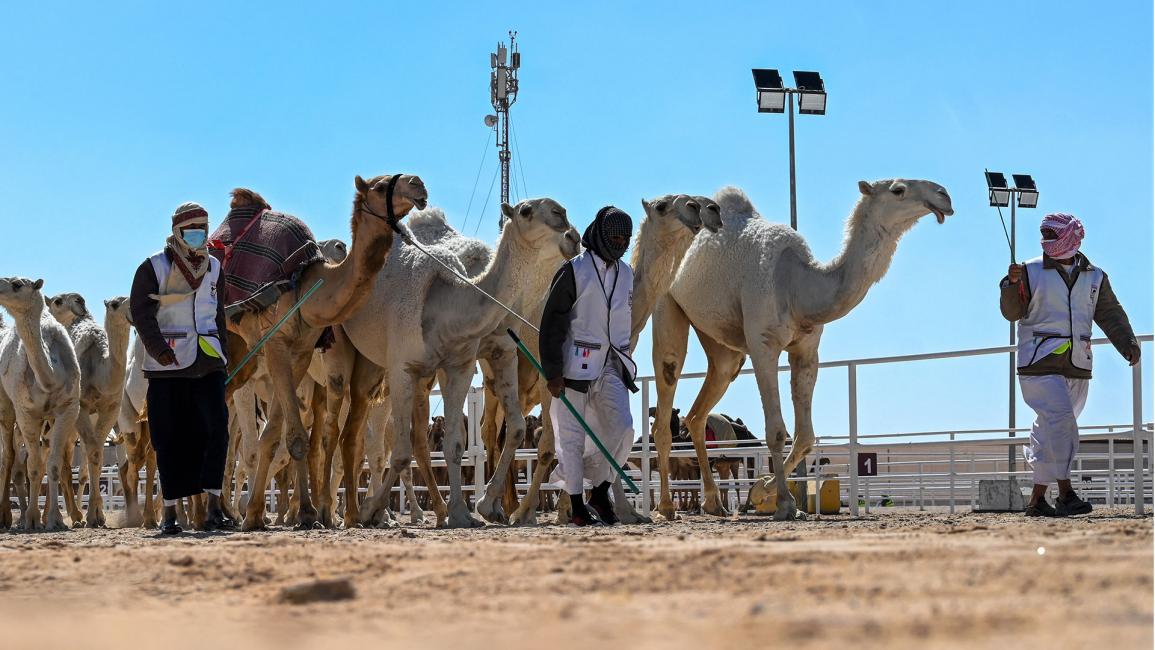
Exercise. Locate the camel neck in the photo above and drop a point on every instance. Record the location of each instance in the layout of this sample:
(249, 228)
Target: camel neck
(29, 328)
(834, 289)
(117, 328)
(347, 285)
(506, 279)
(655, 260)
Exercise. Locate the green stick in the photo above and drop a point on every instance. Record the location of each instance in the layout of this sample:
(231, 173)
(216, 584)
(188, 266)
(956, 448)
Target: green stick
(580, 419)
(268, 335)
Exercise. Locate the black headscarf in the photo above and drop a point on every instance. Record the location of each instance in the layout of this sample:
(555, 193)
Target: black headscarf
(609, 222)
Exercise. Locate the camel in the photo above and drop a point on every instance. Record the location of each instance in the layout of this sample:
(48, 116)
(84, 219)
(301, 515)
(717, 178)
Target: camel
(132, 429)
(422, 322)
(102, 354)
(377, 206)
(755, 289)
(40, 377)
(671, 222)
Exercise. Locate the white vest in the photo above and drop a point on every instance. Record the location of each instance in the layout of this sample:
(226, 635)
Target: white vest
(188, 323)
(600, 319)
(1057, 316)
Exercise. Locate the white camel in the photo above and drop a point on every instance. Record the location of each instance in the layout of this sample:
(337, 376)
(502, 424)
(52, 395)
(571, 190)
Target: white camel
(102, 355)
(421, 322)
(41, 379)
(754, 288)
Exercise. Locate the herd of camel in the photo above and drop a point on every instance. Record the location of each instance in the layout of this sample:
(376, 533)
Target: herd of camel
(404, 325)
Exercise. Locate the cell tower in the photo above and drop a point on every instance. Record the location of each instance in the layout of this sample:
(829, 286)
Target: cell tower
(502, 94)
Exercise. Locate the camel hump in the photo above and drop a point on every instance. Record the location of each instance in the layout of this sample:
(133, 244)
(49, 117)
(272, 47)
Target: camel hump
(733, 202)
(429, 225)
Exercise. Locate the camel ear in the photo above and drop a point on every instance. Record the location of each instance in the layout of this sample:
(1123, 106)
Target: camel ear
(38, 284)
(507, 210)
(645, 206)
(898, 189)
(865, 188)
(360, 184)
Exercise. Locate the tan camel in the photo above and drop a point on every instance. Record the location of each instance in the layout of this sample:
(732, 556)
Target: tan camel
(288, 353)
(670, 224)
(754, 288)
(422, 322)
(41, 380)
(102, 354)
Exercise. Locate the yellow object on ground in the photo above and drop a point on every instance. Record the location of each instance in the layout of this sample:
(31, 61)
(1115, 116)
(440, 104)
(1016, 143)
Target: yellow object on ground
(830, 497)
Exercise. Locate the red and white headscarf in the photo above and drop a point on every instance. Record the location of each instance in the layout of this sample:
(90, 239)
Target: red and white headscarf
(1070, 235)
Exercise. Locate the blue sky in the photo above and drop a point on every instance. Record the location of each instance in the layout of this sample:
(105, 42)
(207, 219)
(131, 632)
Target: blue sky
(111, 116)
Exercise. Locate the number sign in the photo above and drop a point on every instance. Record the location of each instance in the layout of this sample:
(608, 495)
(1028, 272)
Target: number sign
(868, 464)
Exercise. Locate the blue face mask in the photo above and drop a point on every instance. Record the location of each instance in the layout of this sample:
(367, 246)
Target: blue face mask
(194, 237)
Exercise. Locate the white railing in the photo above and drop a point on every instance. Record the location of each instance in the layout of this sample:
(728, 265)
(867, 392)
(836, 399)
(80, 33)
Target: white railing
(939, 450)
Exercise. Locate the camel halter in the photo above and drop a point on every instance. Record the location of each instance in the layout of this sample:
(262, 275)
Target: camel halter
(389, 217)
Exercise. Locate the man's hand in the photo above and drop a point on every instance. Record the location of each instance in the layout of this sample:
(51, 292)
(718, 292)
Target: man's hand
(1015, 273)
(555, 386)
(167, 358)
(1132, 355)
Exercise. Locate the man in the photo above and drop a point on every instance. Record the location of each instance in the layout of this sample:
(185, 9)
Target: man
(1055, 298)
(181, 323)
(585, 351)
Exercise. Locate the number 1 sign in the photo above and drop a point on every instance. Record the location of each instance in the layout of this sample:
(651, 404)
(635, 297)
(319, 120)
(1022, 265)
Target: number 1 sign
(868, 464)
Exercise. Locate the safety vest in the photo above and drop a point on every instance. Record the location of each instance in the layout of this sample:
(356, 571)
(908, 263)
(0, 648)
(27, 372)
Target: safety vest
(190, 324)
(1059, 318)
(599, 320)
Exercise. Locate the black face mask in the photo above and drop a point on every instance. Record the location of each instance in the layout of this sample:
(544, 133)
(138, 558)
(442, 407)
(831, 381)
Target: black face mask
(609, 222)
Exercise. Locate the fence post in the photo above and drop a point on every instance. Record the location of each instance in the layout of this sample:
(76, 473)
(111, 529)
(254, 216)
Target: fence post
(921, 495)
(952, 474)
(646, 446)
(1111, 473)
(1137, 433)
(852, 388)
(474, 411)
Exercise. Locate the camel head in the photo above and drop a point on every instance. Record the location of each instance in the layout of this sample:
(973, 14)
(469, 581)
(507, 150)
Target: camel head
(711, 214)
(674, 211)
(117, 309)
(21, 295)
(334, 250)
(901, 202)
(536, 221)
(244, 197)
(372, 196)
(67, 307)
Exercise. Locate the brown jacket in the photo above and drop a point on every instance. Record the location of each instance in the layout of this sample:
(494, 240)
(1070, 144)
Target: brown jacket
(1109, 316)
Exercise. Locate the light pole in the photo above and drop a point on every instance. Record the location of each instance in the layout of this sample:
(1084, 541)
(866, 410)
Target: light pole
(773, 98)
(1026, 196)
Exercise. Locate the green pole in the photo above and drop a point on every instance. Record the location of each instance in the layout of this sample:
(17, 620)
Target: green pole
(268, 335)
(580, 419)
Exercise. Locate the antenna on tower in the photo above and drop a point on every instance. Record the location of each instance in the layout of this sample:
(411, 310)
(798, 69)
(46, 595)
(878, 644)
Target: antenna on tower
(504, 63)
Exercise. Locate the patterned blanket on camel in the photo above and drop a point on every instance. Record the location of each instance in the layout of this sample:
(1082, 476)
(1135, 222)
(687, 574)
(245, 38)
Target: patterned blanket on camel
(260, 258)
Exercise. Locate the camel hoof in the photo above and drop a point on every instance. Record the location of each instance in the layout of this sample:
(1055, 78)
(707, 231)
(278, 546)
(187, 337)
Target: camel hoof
(715, 508)
(254, 523)
(666, 515)
(492, 512)
(416, 517)
(523, 518)
(788, 513)
(632, 517)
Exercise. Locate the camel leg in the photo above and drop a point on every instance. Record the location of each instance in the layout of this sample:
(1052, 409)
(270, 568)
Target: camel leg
(7, 458)
(365, 379)
(326, 497)
(316, 439)
(58, 437)
(267, 444)
(68, 491)
(150, 501)
(34, 464)
(402, 394)
(503, 362)
(286, 370)
(526, 513)
(129, 479)
(764, 357)
(425, 465)
(455, 384)
(93, 440)
(671, 328)
(803, 355)
(722, 366)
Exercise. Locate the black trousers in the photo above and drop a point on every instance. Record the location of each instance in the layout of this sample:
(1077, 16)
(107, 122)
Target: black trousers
(189, 424)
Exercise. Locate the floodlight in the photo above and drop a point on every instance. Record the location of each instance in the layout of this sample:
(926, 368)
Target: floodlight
(1028, 193)
(490, 120)
(812, 93)
(1000, 195)
(771, 95)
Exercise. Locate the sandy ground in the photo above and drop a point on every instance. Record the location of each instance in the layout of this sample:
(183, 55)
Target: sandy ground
(894, 580)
